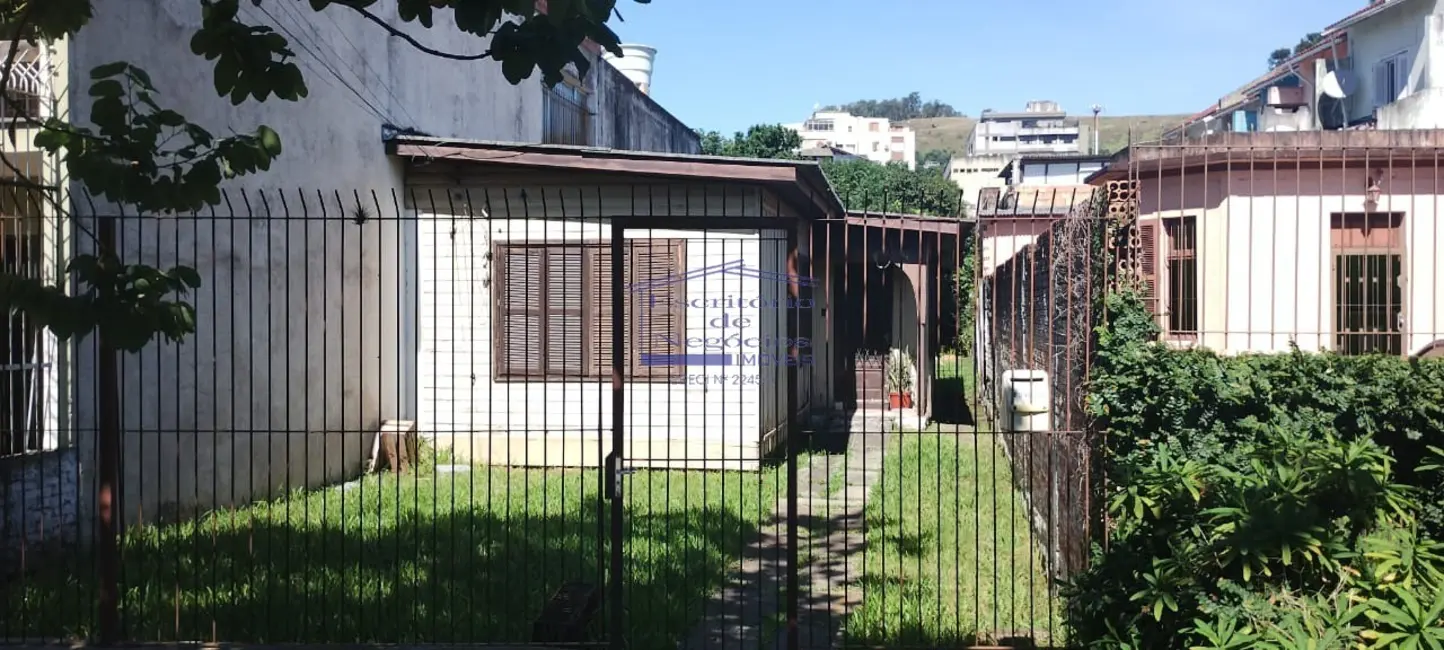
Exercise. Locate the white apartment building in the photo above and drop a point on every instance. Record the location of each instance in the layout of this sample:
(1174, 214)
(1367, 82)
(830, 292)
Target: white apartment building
(874, 138)
(1042, 127)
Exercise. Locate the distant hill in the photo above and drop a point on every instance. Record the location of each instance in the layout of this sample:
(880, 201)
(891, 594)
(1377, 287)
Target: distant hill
(951, 133)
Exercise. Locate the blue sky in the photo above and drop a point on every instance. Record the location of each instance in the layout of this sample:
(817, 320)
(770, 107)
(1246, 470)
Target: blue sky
(727, 64)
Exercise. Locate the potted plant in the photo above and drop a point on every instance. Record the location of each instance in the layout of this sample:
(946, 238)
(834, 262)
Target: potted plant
(898, 378)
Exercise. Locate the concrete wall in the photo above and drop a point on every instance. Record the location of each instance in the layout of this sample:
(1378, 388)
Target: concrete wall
(719, 418)
(1424, 107)
(298, 353)
(1265, 268)
(630, 119)
(973, 173)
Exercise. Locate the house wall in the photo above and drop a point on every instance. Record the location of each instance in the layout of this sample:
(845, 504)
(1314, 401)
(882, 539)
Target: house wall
(1265, 268)
(1002, 237)
(720, 418)
(1391, 32)
(1058, 173)
(1424, 107)
(973, 173)
(297, 357)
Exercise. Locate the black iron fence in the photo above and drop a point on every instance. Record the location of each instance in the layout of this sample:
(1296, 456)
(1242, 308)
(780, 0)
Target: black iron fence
(562, 415)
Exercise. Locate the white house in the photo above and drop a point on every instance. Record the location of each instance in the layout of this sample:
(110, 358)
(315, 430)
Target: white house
(1380, 67)
(874, 138)
(1041, 127)
(305, 342)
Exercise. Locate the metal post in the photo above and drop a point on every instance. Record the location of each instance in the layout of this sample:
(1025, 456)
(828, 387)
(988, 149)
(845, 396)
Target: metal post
(1096, 143)
(614, 468)
(107, 548)
(794, 291)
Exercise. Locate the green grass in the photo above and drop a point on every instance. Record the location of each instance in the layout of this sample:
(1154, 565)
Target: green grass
(949, 552)
(419, 558)
(951, 133)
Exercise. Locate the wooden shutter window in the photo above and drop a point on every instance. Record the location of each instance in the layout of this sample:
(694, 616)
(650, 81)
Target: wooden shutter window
(564, 295)
(658, 314)
(600, 327)
(519, 312)
(1148, 263)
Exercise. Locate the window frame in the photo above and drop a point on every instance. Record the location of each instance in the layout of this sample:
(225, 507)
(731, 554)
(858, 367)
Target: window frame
(575, 96)
(1401, 61)
(592, 328)
(1169, 253)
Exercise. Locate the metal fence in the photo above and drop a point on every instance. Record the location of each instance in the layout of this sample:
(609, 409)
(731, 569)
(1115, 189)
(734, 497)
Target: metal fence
(545, 414)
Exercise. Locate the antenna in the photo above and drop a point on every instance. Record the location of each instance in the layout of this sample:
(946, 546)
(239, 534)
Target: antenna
(1339, 84)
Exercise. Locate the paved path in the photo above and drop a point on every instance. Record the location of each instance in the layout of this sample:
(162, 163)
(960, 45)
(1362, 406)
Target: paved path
(832, 495)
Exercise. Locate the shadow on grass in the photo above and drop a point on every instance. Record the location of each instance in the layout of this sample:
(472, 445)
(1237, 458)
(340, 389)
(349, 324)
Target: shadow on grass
(952, 400)
(464, 575)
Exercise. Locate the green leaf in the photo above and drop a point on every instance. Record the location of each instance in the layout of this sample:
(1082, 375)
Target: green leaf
(108, 70)
(107, 88)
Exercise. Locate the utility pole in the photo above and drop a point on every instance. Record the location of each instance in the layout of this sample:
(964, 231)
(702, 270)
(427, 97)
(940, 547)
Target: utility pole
(1097, 108)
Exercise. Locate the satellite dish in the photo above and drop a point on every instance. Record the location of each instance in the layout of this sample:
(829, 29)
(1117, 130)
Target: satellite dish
(1339, 84)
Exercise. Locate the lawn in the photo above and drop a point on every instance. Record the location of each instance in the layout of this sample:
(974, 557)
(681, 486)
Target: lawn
(429, 557)
(949, 552)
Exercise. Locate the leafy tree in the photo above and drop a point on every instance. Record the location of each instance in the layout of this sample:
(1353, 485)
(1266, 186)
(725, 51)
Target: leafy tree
(866, 185)
(1279, 56)
(139, 153)
(934, 159)
(862, 184)
(760, 141)
(898, 109)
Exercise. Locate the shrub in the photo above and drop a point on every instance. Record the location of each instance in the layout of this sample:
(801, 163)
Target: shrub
(1265, 501)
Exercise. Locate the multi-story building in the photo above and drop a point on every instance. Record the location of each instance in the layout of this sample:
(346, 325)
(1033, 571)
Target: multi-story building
(1381, 67)
(874, 138)
(1042, 127)
(973, 173)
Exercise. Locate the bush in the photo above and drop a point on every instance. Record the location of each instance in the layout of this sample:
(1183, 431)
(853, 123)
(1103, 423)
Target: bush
(1262, 501)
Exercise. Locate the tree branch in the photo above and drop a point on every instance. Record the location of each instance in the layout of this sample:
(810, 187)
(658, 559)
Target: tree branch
(415, 43)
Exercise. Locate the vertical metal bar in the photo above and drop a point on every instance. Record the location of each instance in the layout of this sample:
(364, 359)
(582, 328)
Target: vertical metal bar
(613, 470)
(108, 468)
(793, 448)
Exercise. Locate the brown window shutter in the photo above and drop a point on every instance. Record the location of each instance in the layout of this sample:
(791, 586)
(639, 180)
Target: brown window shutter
(600, 304)
(519, 313)
(1148, 263)
(563, 337)
(658, 314)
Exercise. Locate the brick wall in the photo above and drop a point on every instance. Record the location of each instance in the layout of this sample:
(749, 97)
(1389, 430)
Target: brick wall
(39, 505)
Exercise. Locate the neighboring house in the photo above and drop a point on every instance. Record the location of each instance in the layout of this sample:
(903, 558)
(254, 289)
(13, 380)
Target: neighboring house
(1381, 67)
(1036, 190)
(1052, 169)
(874, 138)
(1253, 242)
(301, 351)
(973, 173)
(1042, 127)
(828, 152)
(725, 261)
(1010, 219)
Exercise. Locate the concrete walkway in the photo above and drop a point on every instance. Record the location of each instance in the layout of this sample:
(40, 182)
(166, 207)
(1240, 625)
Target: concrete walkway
(832, 497)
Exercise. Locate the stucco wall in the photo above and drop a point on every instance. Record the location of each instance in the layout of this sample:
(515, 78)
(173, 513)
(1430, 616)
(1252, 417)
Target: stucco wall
(1401, 29)
(298, 353)
(1265, 270)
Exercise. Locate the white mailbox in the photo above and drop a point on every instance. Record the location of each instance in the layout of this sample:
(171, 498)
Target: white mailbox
(1026, 400)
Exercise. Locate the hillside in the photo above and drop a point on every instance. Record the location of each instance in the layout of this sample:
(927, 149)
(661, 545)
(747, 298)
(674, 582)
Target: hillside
(951, 133)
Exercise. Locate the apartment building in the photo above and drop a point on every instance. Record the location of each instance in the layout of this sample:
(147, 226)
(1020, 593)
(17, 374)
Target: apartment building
(1041, 127)
(874, 138)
